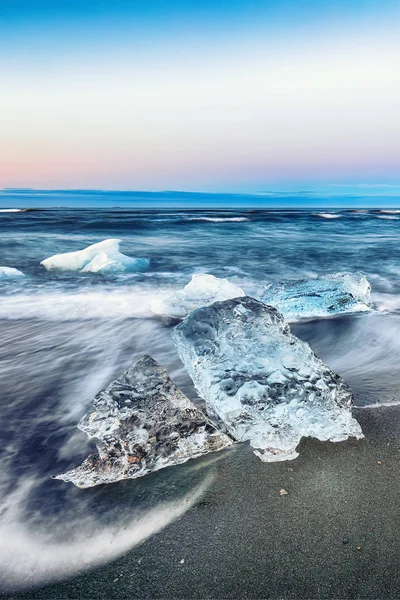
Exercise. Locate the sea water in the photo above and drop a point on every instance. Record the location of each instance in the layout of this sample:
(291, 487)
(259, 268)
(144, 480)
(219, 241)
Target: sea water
(65, 335)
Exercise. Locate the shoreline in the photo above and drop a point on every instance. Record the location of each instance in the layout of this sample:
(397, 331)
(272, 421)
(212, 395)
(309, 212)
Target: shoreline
(334, 535)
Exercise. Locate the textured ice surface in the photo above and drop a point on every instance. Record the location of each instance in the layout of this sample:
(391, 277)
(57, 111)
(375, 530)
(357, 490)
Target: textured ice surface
(103, 257)
(200, 291)
(10, 273)
(142, 422)
(320, 297)
(265, 384)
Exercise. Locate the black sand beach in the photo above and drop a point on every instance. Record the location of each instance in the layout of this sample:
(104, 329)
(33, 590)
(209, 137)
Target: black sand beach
(335, 534)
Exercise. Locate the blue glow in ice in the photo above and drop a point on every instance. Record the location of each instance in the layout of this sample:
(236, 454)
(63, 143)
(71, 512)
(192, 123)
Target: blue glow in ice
(266, 385)
(322, 296)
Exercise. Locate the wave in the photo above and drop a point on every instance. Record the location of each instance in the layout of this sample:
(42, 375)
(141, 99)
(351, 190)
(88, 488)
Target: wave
(327, 215)
(380, 404)
(388, 217)
(11, 210)
(386, 302)
(219, 219)
(121, 303)
(30, 557)
(361, 349)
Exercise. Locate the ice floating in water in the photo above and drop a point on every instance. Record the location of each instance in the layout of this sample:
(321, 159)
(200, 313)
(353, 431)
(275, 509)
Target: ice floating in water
(10, 273)
(103, 257)
(202, 290)
(320, 297)
(266, 385)
(142, 422)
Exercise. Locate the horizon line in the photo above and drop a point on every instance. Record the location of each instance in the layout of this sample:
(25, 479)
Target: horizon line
(258, 194)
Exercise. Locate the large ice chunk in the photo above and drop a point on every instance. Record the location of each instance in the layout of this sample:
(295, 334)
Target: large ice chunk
(266, 385)
(142, 422)
(10, 273)
(103, 257)
(320, 297)
(202, 290)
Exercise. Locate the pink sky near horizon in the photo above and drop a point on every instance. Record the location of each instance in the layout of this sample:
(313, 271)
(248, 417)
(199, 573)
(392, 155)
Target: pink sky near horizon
(324, 111)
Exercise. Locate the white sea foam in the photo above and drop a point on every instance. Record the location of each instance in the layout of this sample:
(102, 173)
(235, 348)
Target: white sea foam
(121, 303)
(219, 219)
(327, 215)
(388, 217)
(380, 404)
(30, 557)
(362, 351)
(10, 210)
(386, 303)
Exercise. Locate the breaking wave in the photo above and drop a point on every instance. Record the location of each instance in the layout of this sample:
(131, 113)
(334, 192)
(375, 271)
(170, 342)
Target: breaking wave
(219, 219)
(87, 304)
(327, 215)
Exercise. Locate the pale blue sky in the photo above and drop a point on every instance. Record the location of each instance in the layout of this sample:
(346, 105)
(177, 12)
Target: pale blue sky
(206, 95)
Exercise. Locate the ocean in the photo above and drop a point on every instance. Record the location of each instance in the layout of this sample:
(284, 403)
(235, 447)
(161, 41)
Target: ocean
(66, 335)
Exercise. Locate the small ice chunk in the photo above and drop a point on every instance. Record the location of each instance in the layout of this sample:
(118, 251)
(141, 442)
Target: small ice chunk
(103, 257)
(202, 290)
(10, 273)
(142, 422)
(321, 296)
(265, 385)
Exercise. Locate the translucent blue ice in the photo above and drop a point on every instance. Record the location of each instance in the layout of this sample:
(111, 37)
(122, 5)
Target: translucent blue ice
(266, 385)
(321, 296)
(142, 423)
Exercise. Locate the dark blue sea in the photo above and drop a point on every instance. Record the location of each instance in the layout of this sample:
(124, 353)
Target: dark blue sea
(66, 335)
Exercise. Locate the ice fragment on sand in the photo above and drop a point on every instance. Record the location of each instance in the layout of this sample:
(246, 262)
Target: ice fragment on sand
(320, 297)
(266, 385)
(103, 257)
(202, 290)
(142, 423)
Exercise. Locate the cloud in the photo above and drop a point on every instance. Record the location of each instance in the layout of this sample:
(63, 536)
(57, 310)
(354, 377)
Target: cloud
(367, 185)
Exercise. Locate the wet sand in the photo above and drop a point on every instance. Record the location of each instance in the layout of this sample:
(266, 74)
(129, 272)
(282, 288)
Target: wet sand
(335, 534)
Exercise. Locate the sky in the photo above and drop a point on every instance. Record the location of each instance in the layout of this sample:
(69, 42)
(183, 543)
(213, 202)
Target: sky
(241, 96)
